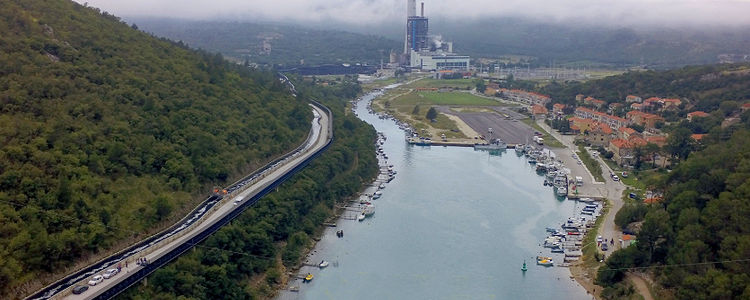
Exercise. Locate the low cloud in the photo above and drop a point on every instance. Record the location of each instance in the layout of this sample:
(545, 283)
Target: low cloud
(364, 12)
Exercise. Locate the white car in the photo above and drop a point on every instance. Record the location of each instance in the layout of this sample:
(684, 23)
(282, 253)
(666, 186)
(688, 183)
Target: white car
(615, 178)
(96, 279)
(599, 239)
(110, 273)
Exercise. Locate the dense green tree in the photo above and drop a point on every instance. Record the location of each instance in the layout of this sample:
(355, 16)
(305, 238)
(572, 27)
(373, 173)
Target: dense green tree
(110, 133)
(431, 114)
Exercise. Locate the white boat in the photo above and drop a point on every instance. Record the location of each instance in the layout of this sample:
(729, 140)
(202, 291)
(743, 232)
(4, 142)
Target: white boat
(323, 264)
(361, 217)
(496, 144)
(368, 210)
(562, 191)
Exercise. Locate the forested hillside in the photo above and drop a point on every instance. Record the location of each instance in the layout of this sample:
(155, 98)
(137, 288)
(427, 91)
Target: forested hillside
(247, 259)
(588, 44)
(109, 133)
(704, 86)
(695, 242)
(275, 44)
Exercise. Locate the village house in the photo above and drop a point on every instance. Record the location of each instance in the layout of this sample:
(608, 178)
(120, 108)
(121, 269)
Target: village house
(599, 135)
(580, 125)
(622, 149)
(631, 99)
(557, 109)
(614, 122)
(636, 106)
(626, 132)
(526, 97)
(697, 114)
(644, 119)
(670, 103)
(591, 101)
(538, 112)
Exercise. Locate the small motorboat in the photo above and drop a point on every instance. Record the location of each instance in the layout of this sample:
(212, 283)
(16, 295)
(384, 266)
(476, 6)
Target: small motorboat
(361, 217)
(309, 277)
(544, 261)
(323, 264)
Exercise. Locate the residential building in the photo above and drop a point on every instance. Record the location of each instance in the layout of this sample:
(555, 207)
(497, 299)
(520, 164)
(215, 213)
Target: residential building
(526, 97)
(614, 122)
(644, 119)
(580, 125)
(631, 99)
(591, 101)
(697, 114)
(636, 106)
(557, 108)
(599, 135)
(538, 112)
(626, 132)
(670, 103)
(623, 151)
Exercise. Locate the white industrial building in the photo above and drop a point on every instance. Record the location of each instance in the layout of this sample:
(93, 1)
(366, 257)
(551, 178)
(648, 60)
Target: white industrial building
(437, 61)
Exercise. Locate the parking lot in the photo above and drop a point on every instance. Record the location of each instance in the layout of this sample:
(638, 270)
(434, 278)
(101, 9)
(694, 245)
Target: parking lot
(509, 129)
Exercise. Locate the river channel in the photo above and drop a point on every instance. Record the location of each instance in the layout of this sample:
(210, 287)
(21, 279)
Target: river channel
(455, 223)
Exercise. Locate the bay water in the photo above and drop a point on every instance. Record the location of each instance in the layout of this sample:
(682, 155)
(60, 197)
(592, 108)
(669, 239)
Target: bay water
(455, 223)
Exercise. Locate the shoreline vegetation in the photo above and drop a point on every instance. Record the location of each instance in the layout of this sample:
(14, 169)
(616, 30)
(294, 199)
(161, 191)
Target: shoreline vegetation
(258, 253)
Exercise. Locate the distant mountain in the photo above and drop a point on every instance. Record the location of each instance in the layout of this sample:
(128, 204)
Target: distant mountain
(566, 43)
(274, 44)
(109, 133)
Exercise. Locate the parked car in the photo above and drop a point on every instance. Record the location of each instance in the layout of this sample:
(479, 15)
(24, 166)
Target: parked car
(624, 174)
(96, 280)
(604, 247)
(79, 289)
(109, 273)
(615, 178)
(599, 239)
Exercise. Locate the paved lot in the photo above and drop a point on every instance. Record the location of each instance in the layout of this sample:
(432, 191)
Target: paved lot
(510, 130)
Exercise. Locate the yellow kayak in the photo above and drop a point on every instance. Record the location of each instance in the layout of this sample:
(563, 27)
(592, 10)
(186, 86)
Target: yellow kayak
(309, 277)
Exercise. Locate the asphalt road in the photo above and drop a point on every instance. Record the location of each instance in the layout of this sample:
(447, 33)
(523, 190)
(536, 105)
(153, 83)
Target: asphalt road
(612, 190)
(220, 210)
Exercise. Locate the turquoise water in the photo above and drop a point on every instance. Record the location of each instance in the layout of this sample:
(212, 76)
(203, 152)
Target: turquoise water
(454, 224)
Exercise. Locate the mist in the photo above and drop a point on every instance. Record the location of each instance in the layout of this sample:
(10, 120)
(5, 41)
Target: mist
(363, 13)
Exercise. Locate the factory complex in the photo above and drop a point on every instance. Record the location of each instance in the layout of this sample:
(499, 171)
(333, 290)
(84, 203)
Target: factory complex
(426, 52)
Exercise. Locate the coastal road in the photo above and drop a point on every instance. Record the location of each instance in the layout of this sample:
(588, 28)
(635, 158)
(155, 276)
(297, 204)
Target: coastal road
(221, 213)
(612, 190)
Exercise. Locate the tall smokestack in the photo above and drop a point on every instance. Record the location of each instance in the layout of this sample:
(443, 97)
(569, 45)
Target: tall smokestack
(422, 9)
(411, 8)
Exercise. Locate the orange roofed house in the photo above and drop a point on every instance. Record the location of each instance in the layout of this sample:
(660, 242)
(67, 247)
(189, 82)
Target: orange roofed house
(538, 112)
(599, 135)
(697, 114)
(644, 119)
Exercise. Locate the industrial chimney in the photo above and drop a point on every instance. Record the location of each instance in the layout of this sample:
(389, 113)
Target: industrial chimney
(411, 8)
(422, 9)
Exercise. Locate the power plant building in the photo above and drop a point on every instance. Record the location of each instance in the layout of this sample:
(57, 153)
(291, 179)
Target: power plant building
(425, 52)
(437, 61)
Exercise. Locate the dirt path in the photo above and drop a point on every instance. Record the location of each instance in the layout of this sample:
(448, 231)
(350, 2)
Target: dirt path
(640, 285)
(462, 126)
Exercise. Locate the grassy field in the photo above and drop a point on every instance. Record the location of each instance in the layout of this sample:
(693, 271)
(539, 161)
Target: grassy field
(594, 167)
(443, 83)
(438, 98)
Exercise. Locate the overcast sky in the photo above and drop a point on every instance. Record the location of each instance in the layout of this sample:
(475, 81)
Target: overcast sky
(362, 12)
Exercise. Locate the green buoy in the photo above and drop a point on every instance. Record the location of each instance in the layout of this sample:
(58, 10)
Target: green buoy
(524, 266)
